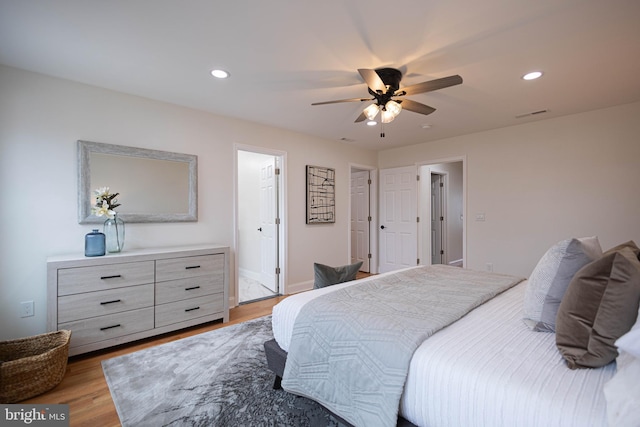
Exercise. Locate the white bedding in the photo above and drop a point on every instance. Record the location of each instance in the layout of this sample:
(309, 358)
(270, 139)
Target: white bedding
(487, 369)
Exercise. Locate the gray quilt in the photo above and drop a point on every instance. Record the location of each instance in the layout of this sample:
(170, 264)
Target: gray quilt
(350, 349)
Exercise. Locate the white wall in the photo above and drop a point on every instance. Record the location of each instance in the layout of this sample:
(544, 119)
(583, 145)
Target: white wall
(542, 182)
(41, 118)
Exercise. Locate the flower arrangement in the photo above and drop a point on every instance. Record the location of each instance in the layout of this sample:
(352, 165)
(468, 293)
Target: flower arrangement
(105, 202)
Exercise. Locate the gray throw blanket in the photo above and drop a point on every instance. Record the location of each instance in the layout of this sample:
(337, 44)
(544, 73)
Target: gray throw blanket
(350, 349)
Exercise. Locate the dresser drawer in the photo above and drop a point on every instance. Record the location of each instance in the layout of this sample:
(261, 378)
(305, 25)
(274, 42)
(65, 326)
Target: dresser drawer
(110, 326)
(99, 303)
(101, 277)
(186, 267)
(179, 311)
(175, 290)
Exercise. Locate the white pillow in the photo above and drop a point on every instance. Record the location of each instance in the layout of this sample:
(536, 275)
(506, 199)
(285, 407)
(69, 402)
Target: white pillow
(629, 345)
(549, 280)
(622, 392)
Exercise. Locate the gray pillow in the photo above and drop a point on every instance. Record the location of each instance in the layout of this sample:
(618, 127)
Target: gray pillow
(600, 306)
(326, 275)
(549, 280)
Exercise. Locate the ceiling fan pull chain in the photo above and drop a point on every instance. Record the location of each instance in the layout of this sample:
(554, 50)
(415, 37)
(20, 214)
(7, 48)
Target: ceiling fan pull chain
(381, 130)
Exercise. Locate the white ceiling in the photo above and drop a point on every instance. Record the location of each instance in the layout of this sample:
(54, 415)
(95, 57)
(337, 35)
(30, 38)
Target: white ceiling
(285, 54)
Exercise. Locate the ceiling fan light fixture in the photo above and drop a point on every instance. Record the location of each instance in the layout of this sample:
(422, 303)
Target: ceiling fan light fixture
(393, 107)
(371, 111)
(386, 116)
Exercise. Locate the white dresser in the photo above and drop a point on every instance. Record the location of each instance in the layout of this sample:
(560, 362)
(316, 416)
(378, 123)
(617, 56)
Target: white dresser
(117, 298)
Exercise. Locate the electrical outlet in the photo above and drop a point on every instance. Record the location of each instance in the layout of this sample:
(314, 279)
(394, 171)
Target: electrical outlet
(26, 309)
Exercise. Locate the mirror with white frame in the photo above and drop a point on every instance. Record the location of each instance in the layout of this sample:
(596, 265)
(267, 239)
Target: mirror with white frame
(154, 186)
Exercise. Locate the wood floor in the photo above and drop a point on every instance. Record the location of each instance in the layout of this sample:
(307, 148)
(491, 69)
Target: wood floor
(85, 390)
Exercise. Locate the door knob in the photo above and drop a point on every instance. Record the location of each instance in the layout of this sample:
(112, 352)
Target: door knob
(382, 227)
(260, 229)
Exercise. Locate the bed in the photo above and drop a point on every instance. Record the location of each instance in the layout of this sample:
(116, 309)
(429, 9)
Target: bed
(486, 369)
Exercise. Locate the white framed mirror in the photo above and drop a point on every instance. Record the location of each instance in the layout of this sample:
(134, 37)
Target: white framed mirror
(154, 186)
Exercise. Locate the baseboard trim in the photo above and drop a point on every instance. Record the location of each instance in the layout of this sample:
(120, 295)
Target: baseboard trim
(253, 275)
(295, 288)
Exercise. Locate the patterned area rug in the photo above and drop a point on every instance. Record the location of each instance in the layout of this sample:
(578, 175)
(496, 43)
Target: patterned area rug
(218, 378)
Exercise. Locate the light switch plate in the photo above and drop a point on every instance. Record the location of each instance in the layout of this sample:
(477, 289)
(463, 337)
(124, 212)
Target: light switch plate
(26, 309)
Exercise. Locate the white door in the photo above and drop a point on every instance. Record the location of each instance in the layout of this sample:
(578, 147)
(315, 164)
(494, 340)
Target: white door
(398, 218)
(267, 226)
(437, 219)
(360, 201)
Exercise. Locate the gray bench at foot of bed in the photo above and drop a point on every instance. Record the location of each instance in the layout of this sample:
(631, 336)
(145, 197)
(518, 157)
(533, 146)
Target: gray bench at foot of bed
(276, 359)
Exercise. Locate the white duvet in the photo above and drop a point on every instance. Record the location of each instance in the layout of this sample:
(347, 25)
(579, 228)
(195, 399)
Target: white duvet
(486, 370)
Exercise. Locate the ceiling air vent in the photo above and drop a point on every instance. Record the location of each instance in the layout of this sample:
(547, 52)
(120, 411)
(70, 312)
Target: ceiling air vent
(533, 113)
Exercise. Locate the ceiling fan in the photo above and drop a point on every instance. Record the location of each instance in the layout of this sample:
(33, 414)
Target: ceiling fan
(384, 86)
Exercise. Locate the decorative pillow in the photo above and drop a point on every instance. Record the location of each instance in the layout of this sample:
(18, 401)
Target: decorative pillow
(549, 280)
(622, 392)
(600, 305)
(629, 345)
(326, 276)
(630, 244)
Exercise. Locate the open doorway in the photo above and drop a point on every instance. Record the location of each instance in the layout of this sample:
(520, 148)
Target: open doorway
(438, 218)
(362, 236)
(259, 242)
(441, 205)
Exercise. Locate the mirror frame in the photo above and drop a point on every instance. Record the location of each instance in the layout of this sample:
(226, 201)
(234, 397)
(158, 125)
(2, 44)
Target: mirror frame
(85, 148)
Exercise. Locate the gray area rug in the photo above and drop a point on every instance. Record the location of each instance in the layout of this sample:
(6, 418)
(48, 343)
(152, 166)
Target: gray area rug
(218, 378)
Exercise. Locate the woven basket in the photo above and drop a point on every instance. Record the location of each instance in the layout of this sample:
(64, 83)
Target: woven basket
(30, 366)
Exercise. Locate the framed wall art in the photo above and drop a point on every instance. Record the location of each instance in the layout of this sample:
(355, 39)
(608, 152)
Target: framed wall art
(321, 195)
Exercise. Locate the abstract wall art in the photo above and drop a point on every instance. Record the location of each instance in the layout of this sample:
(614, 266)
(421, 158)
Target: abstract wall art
(321, 195)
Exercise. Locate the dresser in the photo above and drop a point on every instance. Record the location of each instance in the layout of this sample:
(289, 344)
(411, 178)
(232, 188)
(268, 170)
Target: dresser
(118, 298)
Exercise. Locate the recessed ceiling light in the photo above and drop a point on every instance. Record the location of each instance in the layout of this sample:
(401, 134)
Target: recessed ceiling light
(372, 123)
(532, 75)
(220, 74)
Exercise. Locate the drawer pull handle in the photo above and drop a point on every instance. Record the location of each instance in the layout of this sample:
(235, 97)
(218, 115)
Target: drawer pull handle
(110, 302)
(111, 277)
(192, 288)
(191, 267)
(192, 309)
(110, 327)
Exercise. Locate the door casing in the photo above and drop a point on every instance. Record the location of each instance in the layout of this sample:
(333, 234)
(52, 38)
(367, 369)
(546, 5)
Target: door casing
(424, 202)
(373, 212)
(281, 229)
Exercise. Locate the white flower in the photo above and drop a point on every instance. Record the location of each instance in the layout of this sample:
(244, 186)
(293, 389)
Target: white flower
(105, 202)
(101, 192)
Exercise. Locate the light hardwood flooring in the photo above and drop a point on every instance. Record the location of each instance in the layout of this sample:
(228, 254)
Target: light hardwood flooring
(85, 390)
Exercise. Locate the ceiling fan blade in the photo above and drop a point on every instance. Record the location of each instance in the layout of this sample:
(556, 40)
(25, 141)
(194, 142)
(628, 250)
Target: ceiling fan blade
(431, 85)
(360, 118)
(373, 80)
(343, 100)
(416, 107)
